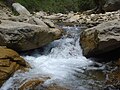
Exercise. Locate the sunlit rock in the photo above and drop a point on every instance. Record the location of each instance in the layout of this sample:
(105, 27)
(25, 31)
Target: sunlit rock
(101, 39)
(21, 9)
(10, 61)
(24, 36)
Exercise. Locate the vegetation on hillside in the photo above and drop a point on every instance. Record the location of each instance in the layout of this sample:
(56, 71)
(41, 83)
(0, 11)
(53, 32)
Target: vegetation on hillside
(56, 6)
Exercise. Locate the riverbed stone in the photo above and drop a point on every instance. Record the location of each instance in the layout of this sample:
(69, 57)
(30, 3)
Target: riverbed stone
(10, 61)
(101, 39)
(38, 84)
(31, 84)
(24, 36)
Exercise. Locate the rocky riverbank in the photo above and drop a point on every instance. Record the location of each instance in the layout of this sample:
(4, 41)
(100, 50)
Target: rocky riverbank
(21, 33)
(30, 31)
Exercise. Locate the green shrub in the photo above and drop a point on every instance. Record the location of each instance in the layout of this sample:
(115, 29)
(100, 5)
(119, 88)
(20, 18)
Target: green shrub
(57, 5)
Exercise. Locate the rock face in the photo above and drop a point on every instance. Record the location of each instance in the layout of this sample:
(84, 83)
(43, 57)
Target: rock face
(101, 39)
(10, 61)
(23, 36)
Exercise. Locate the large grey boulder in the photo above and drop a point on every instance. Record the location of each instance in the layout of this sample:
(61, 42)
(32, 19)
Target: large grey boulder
(21, 9)
(23, 36)
(101, 39)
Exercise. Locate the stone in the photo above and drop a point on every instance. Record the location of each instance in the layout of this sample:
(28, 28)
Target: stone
(113, 78)
(40, 14)
(38, 84)
(39, 22)
(51, 17)
(21, 36)
(74, 18)
(49, 23)
(55, 87)
(101, 39)
(10, 61)
(31, 84)
(21, 9)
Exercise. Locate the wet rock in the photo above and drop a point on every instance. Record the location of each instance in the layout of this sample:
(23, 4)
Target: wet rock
(31, 84)
(10, 61)
(112, 81)
(101, 39)
(117, 63)
(24, 36)
(38, 84)
(55, 87)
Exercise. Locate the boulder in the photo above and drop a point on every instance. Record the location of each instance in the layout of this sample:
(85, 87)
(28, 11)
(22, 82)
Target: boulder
(10, 61)
(21, 9)
(101, 39)
(49, 23)
(24, 36)
(38, 84)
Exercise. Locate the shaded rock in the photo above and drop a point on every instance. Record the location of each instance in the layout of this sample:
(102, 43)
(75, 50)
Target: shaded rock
(23, 36)
(113, 78)
(21, 9)
(40, 14)
(101, 39)
(55, 87)
(118, 62)
(112, 5)
(10, 61)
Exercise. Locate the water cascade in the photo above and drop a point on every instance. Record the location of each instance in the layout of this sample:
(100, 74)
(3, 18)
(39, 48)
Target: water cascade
(61, 60)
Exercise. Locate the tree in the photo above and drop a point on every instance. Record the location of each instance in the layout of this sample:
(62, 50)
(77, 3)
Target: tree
(9, 2)
(99, 6)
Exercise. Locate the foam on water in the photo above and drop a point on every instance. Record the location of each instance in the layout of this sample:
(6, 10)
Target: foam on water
(60, 61)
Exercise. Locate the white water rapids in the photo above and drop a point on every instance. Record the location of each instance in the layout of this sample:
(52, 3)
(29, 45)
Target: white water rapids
(61, 60)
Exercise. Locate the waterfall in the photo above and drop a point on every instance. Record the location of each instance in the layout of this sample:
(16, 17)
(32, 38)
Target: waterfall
(61, 60)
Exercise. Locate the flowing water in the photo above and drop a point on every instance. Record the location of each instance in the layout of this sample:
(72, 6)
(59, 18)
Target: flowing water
(61, 60)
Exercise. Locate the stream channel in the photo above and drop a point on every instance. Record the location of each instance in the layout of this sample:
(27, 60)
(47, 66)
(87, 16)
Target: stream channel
(63, 62)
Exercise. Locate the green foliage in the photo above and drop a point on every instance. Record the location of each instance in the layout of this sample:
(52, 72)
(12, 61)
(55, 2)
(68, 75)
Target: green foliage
(57, 5)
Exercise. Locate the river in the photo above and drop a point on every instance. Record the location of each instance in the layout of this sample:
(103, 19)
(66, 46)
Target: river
(62, 61)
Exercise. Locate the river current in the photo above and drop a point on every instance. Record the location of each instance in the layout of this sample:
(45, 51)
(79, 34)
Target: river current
(61, 60)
